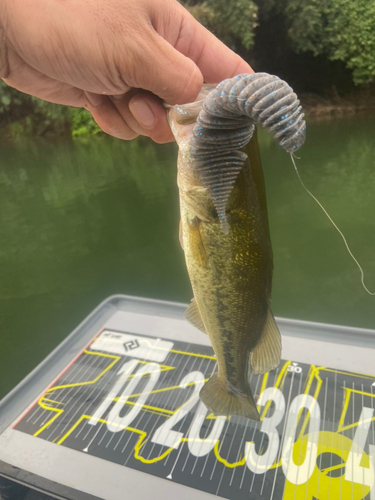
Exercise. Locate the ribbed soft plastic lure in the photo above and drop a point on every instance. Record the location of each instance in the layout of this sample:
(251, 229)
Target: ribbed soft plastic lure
(226, 124)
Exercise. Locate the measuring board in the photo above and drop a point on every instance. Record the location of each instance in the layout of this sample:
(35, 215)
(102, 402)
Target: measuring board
(129, 400)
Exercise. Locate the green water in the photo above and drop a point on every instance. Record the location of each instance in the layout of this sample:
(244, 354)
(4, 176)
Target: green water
(79, 222)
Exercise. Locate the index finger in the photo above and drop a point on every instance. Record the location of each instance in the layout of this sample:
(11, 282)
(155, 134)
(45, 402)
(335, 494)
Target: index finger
(215, 60)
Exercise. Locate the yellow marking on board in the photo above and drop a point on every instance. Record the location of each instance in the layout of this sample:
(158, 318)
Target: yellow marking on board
(52, 401)
(344, 411)
(161, 410)
(321, 485)
(278, 385)
(353, 374)
(362, 393)
(262, 388)
(164, 368)
(170, 388)
(65, 386)
(140, 443)
(348, 393)
(314, 374)
(224, 461)
(115, 360)
(308, 376)
(58, 413)
(49, 408)
(74, 426)
(156, 409)
(211, 416)
(333, 467)
(151, 409)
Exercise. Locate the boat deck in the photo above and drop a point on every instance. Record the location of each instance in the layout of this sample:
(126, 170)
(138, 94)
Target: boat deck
(114, 412)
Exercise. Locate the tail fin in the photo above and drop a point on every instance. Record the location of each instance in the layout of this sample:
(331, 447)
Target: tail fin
(216, 397)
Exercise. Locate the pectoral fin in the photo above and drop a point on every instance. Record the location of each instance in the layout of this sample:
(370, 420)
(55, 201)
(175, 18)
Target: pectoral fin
(193, 316)
(199, 204)
(267, 353)
(180, 235)
(196, 242)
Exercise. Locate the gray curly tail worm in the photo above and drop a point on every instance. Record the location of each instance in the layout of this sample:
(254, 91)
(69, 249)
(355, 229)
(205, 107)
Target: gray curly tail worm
(226, 124)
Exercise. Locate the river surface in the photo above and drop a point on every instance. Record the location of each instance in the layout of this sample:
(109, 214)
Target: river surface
(80, 222)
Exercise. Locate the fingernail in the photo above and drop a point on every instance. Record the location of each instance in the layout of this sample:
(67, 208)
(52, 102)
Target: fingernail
(142, 112)
(94, 99)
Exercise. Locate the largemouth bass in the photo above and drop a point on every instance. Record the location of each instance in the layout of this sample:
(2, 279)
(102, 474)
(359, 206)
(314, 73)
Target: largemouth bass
(224, 231)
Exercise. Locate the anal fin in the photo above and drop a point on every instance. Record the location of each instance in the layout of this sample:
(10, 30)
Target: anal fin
(193, 316)
(267, 353)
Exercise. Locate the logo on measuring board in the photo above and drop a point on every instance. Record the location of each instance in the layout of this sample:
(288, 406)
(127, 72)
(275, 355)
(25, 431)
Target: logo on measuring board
(131, 345)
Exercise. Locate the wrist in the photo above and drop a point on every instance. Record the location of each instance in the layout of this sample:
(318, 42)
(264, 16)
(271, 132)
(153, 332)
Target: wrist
(3, 42)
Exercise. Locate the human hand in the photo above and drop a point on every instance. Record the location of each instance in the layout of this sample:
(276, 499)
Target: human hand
(117, 58)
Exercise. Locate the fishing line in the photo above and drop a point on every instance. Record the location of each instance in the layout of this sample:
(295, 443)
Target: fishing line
(334, 225)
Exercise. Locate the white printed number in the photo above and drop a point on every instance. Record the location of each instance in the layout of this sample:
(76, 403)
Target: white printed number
(299, 474)
(164, 435)
(354, 471)
(124, 393)
(293, 367)
(261, 463)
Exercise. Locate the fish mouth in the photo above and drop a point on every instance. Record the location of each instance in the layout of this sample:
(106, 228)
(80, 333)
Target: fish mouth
(203, 93)
(184, 114)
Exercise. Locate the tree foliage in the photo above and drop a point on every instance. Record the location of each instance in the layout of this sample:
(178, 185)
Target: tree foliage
(13, 104)
(27, 115)
(233, 21)
(343, 30)
(287, 37)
